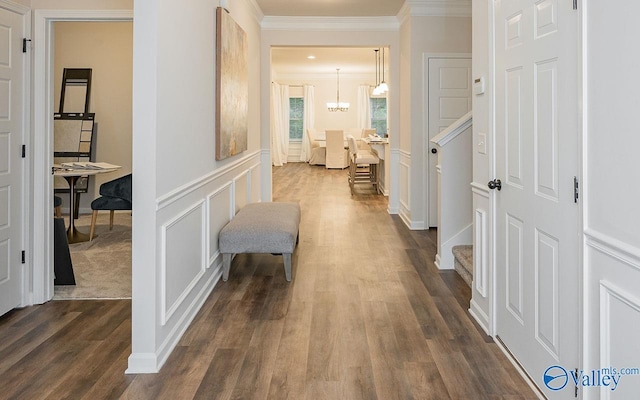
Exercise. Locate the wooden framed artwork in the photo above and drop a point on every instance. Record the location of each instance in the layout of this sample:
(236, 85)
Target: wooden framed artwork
(232, 86)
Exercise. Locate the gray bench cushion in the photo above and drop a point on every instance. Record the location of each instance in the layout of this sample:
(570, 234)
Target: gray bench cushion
(262, 228)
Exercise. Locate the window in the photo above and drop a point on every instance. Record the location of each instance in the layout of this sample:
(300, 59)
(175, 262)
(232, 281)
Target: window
(379, 115)
(296, 115)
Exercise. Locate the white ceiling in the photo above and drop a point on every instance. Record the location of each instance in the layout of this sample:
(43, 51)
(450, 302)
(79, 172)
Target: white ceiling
(293, 60)
(350, 60)
(331, 8)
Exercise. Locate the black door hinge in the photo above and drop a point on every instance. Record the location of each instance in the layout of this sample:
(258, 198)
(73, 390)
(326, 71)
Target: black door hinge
(24, 151)
(24, 256)
(575, 4)
(575, 189)
(24, 44)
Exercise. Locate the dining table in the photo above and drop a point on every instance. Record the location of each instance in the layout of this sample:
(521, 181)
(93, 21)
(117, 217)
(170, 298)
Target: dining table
(71, 172)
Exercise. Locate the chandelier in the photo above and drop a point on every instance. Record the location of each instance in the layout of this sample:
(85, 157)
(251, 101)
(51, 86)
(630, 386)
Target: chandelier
(338, 106)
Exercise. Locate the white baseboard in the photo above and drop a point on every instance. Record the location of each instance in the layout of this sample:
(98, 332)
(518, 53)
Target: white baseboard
(480, 316)
(142, 363)
(151, 363)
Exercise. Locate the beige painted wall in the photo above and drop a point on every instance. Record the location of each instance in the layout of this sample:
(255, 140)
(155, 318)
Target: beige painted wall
(106, 48)
(325, 91)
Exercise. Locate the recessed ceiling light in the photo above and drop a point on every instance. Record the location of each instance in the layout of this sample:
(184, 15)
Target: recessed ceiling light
(312, 57)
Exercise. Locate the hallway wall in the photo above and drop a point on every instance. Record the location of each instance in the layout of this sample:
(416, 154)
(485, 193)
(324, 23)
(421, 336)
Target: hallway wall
(182, 196)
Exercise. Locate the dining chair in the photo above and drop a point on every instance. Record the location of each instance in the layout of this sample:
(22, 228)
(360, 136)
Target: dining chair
(337, 155)
(116, 195)
(318, 153)
(363, 166)
(57, 206)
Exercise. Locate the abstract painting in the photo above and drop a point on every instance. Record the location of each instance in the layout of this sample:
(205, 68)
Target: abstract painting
(232, 86)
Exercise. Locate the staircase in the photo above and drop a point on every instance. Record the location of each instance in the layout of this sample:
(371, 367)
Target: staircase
(463, 262)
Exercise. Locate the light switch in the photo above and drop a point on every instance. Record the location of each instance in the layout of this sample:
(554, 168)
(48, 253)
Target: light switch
(482, 143)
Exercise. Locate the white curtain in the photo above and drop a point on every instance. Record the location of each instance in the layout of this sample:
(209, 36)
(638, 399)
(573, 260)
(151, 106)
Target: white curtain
(279, 124)
(308, 121)
(364, 107)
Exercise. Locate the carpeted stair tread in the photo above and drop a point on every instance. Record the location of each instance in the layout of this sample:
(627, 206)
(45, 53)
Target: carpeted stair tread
(463, 262)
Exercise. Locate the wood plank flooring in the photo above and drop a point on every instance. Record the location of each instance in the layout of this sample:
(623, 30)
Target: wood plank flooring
(367, 316)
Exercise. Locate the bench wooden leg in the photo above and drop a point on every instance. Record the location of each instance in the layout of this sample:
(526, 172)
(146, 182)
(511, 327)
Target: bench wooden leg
(226, 265)
(286, 257)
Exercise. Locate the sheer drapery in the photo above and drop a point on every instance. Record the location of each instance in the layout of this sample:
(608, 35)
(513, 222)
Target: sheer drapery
(307, 122)
(364, 107)
(279, 124)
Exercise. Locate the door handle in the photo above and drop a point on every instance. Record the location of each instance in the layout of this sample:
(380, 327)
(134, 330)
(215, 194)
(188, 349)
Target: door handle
(495, 184)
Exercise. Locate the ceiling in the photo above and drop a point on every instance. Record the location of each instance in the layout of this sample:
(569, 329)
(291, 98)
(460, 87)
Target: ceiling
(350, 60)
(331, 8)
(293, 60)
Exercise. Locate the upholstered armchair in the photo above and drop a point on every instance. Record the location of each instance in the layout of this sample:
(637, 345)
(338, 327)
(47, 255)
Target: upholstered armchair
(116, 195)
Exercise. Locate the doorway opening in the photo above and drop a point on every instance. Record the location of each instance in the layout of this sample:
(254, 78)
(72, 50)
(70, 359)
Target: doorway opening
(41, 230)
(102, 265)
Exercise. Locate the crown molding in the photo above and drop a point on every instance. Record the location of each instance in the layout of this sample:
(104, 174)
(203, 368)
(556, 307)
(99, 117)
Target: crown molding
(435, 8)
(330, 23)
(256, 11)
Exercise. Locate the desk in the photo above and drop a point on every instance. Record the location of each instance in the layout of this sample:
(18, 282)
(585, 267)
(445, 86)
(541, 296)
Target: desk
(381, 148)
(71, 175)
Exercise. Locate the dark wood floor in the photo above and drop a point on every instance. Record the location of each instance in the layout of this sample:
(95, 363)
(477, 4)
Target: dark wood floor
(367, 316)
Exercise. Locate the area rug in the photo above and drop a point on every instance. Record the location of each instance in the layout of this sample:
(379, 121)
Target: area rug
(102, 267)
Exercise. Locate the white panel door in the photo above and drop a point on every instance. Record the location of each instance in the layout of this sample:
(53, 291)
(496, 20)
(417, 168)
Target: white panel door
(537, 220)
(11, 70)
(449, 99)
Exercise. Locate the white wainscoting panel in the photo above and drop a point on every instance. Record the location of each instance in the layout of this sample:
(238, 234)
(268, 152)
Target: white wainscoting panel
(480, 251)
(189, 220)
(619, 345)
(611, 312)
(481, 293)
(182, 245)
(241, 190)
(220, 211)
(405, 187)
(254, 194)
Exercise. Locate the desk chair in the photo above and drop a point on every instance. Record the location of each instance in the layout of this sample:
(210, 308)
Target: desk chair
(116, 195)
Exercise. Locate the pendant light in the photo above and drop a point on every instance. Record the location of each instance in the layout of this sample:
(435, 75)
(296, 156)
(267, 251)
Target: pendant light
(384, 88)
(376, 90)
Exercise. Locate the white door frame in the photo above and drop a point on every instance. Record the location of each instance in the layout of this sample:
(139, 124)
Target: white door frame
(41, 140)
(425, 126)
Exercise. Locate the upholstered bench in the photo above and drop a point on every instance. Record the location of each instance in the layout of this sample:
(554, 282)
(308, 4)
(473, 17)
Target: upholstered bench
(261, 228)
